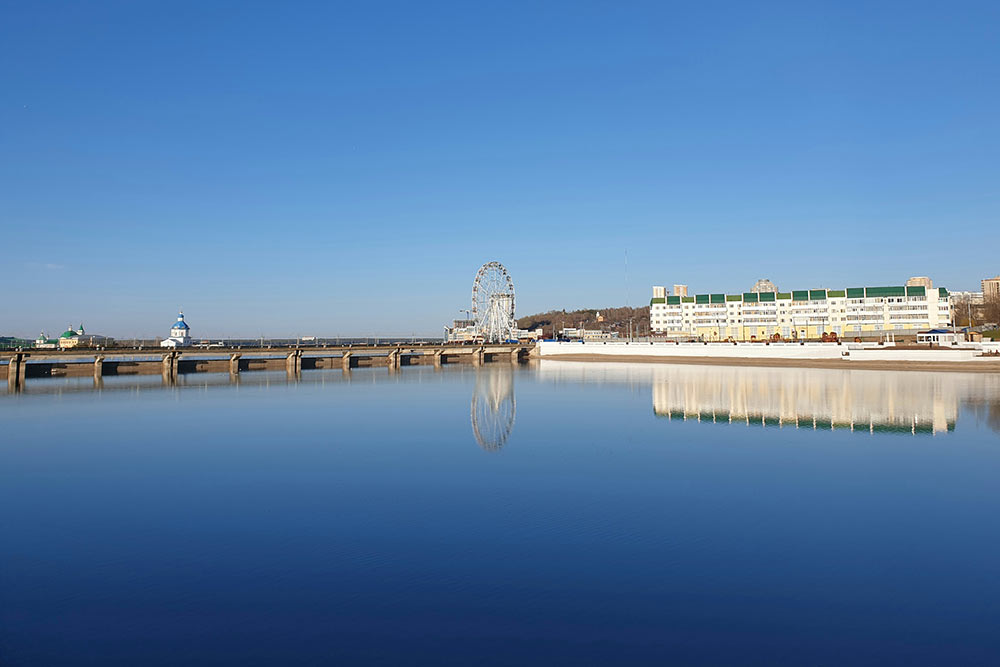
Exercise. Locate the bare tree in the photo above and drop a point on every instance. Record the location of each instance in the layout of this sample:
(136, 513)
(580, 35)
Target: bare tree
(973, 313)
(991, 312)
(960, 308)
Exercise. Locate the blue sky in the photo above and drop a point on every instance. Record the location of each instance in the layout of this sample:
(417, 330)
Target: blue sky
(344, 168)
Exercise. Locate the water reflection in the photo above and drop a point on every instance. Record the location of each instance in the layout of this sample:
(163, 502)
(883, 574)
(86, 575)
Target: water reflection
(130, 383)
(888, 402)
(858, 400)
(986, 411)
(493, 407)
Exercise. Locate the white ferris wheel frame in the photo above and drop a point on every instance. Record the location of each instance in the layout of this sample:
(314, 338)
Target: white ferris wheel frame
(493, 303)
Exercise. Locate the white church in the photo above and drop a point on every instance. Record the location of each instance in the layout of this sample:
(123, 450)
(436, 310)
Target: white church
(180, 334)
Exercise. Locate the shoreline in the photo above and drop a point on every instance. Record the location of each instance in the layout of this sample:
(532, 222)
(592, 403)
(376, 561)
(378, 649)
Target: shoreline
(986, 366)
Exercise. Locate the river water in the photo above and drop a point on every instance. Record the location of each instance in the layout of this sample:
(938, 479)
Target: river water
(556, 513)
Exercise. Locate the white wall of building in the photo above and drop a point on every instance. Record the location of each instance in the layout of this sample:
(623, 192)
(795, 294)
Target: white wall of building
(844, 351)
(722, 350)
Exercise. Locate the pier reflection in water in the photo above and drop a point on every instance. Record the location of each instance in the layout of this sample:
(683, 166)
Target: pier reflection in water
(492, 409)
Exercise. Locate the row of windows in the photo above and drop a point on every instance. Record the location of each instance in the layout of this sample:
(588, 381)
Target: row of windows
(804, 308)
(766, 321)
(852, 313)
(817, 317)
(814, 302)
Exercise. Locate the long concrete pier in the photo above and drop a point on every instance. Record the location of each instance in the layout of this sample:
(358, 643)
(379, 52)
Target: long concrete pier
(20, 366)
(975, 357)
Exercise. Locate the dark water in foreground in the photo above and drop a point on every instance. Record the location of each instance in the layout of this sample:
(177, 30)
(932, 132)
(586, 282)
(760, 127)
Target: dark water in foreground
(556, 514)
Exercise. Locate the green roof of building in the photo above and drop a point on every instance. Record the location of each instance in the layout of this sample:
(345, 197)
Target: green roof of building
(803, 295)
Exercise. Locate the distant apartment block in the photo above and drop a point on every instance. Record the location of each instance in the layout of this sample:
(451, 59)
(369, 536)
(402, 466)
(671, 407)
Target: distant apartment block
(991, 289)
(764, 285)
(679, 290)
(801, 314)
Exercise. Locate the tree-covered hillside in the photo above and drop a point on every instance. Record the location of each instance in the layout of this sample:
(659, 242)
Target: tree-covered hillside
(615, 319)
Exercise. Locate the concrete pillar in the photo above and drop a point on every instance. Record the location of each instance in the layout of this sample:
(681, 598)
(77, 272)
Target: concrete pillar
(234, 364)
(98, 372)
(479, 356)
(169, 369)
(293, 362)
(438, 358)
(15, 373)
(515, 355)
(392, 359)
(345, 360)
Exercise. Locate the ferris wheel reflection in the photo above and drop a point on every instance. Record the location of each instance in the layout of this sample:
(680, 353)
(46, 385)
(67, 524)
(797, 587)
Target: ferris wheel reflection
(493, 407)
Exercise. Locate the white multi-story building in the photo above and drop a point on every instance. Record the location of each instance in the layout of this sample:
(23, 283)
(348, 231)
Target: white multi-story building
(965, 298)
(462, 331)
(800, 314)
(465, 331)
(574, 333)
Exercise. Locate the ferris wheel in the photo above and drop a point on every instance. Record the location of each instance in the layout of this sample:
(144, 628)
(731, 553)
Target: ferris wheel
(493, 303)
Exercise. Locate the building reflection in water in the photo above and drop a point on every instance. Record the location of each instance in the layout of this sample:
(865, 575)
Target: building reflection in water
(863, 400)
(986, 410)
(493, 407)
(872, 401)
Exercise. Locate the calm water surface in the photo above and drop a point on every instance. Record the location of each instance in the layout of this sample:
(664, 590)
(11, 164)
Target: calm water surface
(559, 513)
